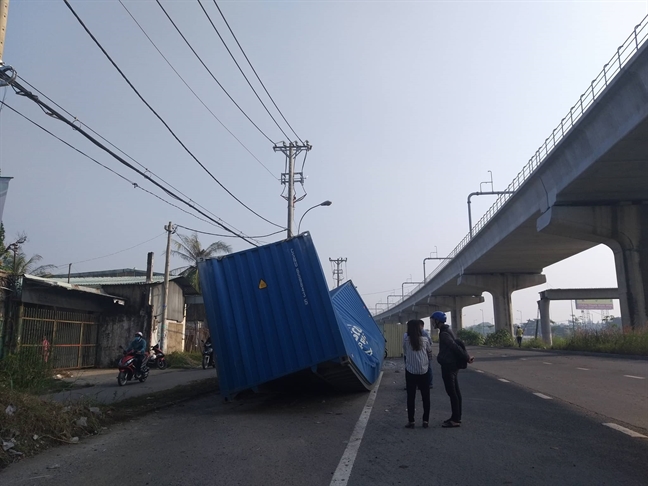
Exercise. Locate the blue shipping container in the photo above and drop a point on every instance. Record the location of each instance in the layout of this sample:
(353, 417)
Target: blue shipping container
(270, 315)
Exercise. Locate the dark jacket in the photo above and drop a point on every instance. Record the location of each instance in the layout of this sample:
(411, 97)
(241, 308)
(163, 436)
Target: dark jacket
(449, 350)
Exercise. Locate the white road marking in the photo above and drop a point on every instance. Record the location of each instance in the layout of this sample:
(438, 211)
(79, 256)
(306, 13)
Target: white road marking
(544, 362)
(523, 359)
(584, 369)
(541, 395)
(635, 377)
(505, 381)
(479, 371)
(343, 471)
(629, 432)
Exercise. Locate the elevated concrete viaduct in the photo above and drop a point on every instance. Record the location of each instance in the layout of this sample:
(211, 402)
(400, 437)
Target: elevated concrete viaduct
(587, 184)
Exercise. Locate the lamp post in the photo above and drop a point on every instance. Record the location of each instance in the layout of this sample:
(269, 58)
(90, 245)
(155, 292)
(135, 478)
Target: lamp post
(482, 311)
(325, 203)
(520, 317)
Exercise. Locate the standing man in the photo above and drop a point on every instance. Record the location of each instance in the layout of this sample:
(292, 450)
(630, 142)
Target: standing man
(449, 355)
(518, 335)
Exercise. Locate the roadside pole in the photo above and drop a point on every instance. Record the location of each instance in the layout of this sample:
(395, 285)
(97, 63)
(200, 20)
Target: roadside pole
(165, 291)
(4, 14)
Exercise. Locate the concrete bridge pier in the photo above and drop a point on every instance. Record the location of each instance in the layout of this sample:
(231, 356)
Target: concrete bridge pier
(545, 321)
(455, 304)
(501, 286)
(623, 228)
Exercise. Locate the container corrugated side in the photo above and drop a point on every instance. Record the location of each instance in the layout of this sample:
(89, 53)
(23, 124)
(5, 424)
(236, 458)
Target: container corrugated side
(363, 341)
(269, 313)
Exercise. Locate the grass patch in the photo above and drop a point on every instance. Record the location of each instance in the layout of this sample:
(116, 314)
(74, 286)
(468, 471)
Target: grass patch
(184, 360)
(605, 341)
(534, 343)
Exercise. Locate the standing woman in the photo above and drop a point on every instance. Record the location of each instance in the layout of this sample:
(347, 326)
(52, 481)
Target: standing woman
(417, 350)
(450, 353)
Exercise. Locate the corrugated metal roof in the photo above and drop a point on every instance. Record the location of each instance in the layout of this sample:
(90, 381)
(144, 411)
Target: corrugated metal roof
(97, 282)
(71, 286)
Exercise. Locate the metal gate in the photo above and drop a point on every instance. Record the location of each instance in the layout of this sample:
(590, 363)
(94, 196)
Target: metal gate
(65, 339)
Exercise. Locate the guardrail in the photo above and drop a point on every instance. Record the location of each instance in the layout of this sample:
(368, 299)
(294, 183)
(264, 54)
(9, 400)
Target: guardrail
(623, 54)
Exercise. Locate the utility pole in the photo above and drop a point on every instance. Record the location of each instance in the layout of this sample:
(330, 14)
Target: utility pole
(165, 291)
(4, 14)
(337, 271)
(291, 151)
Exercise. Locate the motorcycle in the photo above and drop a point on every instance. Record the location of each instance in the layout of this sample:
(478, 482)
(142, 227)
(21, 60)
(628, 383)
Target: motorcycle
(208, 355)
(127, 370)
(157, 358)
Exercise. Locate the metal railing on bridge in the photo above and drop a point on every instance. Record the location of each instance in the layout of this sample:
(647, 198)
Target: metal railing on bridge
(623, 54)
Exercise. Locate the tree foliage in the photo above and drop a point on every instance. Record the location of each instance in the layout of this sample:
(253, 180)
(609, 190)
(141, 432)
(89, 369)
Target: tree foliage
(14, 260)
(189, 248)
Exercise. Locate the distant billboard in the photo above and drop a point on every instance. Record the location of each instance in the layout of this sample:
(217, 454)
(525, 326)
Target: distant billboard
(594, 304)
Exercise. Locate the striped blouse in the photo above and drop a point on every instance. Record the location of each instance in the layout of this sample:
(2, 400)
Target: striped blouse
(417, 362)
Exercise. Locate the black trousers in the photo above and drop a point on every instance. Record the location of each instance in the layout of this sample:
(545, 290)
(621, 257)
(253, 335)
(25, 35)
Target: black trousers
(449, 374)
(421, 382)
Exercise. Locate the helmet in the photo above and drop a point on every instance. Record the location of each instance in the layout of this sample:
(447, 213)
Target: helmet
(139, 334)
(438, 316)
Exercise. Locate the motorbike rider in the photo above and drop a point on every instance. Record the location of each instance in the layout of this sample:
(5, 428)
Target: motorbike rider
(138, 346)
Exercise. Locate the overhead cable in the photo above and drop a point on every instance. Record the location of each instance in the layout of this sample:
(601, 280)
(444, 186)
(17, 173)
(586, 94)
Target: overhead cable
(146, 169)
(241, 70)
(162, 120)
(210, 73)
(50, 111)
(195, 94)
(255, 73)
(226, 236)
(134, 184)
(112, 254)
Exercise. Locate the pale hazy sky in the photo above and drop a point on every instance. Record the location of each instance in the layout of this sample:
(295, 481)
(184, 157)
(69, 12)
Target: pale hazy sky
(408, 105)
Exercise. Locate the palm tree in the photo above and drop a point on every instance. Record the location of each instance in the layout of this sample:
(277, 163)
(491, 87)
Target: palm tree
(22, 265)
(191, 251)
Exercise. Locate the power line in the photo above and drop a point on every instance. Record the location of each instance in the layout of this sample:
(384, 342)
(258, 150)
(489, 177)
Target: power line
(195, 94)
(209, 71)
(241, 70)
(225, 236)
(255, 73)
(111, 254)
(20, 90)
(161, 119)
(134, 184)
(146, 170)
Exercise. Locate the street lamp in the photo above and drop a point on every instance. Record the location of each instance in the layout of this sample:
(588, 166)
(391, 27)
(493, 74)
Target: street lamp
(520, 317)
(325, 203)
(482, 311)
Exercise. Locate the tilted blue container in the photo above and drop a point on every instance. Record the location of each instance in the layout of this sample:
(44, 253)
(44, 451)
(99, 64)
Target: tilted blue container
(270, 315)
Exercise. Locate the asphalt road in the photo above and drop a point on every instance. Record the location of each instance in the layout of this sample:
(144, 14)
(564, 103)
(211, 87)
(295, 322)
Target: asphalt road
(508, 435)
(101, 384)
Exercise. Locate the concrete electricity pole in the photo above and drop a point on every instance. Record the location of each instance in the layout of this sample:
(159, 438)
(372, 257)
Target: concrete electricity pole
(4, 13)
(291, 151)
(165, 291)
(337, 272)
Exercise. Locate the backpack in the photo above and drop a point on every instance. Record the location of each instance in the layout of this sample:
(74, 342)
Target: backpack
(462, 362)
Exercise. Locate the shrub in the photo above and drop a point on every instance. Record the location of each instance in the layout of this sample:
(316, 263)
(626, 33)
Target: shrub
(470, 337)
(25, 370)
(501, 338)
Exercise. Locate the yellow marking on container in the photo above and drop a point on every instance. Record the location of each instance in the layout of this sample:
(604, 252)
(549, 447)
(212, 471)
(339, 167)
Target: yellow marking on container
(262, 284)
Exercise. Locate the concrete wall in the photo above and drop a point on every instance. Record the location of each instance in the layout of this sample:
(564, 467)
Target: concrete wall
(114, 331)
(175, 336)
